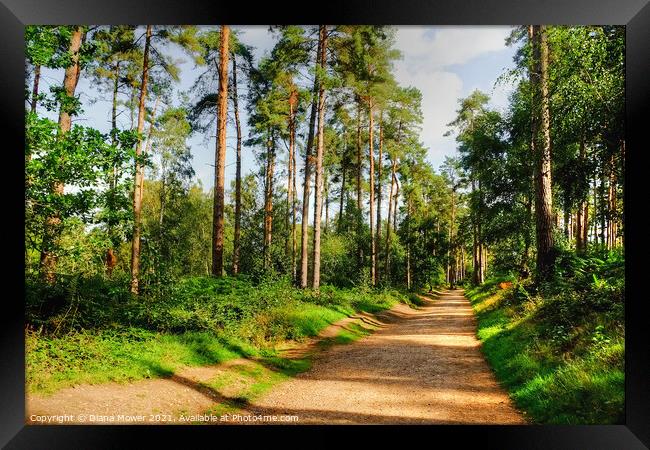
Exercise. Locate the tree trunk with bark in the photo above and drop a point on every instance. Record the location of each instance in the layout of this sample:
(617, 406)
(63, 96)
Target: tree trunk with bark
(396, 200)
(220, 156)
(37, 79)
(623, 193)
(542, 143)
(359, 217)
(583, 209)
(342, 195)
(371, 158)
(388, 220)
(111, 257)
(611, 200)
(237, 232)
(137, 192)
(304, 234)
(291, 188)
(408, 242)
(326, 193)
(379, 164)
(475, 265)
(452, 244)
(268, 199)
(479, 242)
(318, 184)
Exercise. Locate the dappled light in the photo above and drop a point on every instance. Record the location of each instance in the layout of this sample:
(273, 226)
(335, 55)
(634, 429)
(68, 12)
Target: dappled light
(331, 223)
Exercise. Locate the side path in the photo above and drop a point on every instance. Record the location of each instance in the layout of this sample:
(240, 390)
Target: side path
(422, 366)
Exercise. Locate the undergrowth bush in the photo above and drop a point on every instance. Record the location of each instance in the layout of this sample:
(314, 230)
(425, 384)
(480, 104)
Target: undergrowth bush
(93, 330)
(559, 347)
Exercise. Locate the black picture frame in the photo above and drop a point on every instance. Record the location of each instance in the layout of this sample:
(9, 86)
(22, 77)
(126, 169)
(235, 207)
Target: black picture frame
(635, 14)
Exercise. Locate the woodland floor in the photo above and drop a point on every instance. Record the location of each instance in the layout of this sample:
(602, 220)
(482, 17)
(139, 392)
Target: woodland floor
(420, 366)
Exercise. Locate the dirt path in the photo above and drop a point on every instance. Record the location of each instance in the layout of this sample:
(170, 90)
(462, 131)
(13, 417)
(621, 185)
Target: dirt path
(420, 366)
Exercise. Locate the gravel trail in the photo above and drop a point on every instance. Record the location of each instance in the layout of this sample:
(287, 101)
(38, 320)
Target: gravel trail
(422, 366)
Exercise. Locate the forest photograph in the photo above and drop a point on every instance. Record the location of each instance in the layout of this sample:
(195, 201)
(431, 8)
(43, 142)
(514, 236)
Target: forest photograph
(324, 224)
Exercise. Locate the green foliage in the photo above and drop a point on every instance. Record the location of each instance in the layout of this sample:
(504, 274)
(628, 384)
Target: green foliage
(337, 262)
(120, 354)
(559, 350)
(87, 329)
(80, 159)
(557, 345)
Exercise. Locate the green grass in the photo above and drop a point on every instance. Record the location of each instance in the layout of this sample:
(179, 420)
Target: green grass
(560, 357)
(206, 321)
(353, 332)
(121, 355)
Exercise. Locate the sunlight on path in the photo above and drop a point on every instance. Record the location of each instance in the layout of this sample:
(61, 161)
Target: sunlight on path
(424, 367)
(420, 366)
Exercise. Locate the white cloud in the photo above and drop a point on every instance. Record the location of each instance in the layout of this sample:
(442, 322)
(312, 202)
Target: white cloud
(428, 48)
(257, 36)
(428, 57)
(440, 93)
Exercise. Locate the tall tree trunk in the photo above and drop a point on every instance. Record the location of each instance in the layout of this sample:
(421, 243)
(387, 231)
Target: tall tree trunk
(111, 258)
(475, 265)
(379, 164)
(220, 156)
(318, 184)
(294, 207)
(388, 219)
(622, 232)
(484, 259)
(237, 233)
(462, 263)
(137, 191)
(359, 217)
(326, 193)
(447, 271)
(268, 199)
(542, 143)
(567, 222)
(163, 174)
(116, 85)
(435, 237)
(287, 217)
(603, 207)
(371, 157)
(585, 225)
(304, 234)
(342, 196)
(53, 222)
(396, 200)
(481, 275)
(595, 218)
(611, 196)
(291, 188)
(37, 79)
(452, 243)
(524, 270)
(408, 242)
(581, 220)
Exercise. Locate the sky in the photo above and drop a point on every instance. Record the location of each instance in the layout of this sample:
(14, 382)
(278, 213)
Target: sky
(446, 63)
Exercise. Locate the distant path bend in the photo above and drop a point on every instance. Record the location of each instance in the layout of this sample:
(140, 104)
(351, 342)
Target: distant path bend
(423, 366)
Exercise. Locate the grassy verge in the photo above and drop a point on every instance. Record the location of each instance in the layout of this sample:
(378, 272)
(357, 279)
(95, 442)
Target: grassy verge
(203, 321)
(559, 352)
